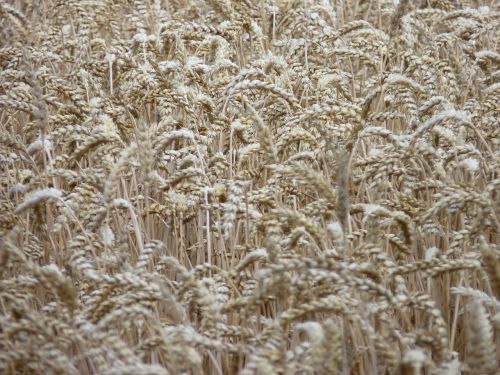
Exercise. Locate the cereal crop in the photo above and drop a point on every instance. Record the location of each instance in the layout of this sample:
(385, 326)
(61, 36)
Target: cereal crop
(292, 187)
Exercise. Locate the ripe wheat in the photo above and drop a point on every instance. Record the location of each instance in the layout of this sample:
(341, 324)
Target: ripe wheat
(242, 187)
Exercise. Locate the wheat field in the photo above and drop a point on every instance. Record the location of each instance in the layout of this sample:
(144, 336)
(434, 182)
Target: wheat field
(250, 187)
